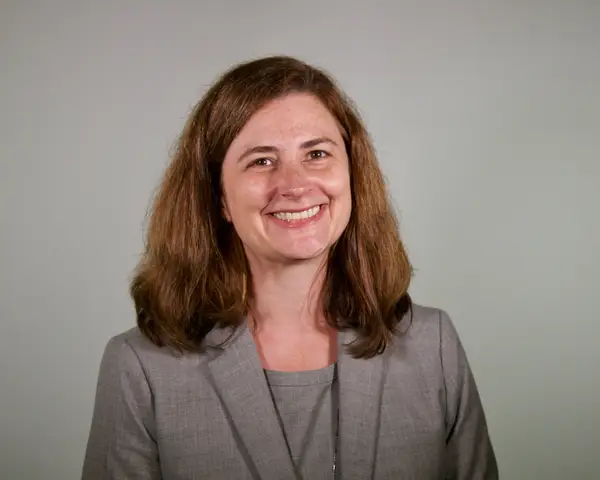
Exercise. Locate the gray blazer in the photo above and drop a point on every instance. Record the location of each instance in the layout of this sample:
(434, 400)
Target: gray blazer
(411, 413)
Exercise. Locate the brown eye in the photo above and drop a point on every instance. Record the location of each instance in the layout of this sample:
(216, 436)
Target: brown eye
(261, 162)
(318, 154)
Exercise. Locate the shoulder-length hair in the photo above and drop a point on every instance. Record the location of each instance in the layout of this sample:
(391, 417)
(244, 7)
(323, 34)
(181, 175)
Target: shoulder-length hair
(193, 275)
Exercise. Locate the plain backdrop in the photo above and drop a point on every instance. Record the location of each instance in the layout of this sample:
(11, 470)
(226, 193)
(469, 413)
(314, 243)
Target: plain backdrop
(486, 118)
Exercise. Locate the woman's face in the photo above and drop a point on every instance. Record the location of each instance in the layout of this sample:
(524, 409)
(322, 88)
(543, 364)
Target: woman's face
(286, 181)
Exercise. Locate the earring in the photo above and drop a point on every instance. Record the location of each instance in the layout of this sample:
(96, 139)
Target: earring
(244, 288)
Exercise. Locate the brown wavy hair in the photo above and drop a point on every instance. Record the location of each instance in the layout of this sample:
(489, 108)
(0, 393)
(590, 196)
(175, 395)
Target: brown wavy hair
(194, 274)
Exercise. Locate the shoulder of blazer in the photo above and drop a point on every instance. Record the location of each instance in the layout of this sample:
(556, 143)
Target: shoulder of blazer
(154, 358)
(422, 324)
(426, 337)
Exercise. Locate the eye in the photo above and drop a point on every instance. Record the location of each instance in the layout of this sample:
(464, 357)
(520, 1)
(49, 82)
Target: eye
(318, 154)
(261, 162)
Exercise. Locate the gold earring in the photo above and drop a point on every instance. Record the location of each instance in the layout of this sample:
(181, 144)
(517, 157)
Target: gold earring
(244, 287)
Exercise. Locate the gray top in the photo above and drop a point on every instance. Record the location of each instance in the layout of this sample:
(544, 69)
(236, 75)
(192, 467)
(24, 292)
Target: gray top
(411, 412)
(305, 404)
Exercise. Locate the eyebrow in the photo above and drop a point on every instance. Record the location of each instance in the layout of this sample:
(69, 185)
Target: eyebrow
(270, 149)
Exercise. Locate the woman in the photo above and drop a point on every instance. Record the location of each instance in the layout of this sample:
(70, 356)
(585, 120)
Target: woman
(276, 338)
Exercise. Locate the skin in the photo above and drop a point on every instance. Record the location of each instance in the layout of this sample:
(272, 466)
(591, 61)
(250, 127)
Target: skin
(289, 157)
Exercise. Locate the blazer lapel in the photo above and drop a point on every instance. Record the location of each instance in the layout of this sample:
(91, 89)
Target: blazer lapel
(360, 392)
(240, 382)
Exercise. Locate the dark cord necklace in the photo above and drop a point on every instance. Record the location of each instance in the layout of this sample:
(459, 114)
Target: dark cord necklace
(335, 390)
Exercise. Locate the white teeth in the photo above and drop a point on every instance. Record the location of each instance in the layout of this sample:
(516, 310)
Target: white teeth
(289, 216)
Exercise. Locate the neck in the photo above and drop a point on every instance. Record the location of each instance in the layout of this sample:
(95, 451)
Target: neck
(288, 296)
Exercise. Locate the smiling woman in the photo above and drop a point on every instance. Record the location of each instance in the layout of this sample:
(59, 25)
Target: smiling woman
(288, 197)
(275, 336)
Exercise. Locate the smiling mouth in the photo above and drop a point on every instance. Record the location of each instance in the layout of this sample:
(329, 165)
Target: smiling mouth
(292, 216)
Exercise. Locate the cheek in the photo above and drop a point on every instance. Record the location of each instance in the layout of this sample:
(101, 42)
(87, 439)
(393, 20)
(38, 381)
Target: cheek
(343, 188)
(243, 195)
(338, 184)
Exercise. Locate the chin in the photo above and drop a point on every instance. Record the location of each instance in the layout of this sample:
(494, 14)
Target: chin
(303, 254)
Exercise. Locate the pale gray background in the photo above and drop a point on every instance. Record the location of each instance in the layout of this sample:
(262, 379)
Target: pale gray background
(486, 116)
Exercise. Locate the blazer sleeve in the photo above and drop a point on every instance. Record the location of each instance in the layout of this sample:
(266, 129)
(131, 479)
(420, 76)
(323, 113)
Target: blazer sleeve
(122, 439)
(469, 452)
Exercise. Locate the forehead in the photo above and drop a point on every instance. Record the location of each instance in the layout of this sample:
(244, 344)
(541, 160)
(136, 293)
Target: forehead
(295, 115)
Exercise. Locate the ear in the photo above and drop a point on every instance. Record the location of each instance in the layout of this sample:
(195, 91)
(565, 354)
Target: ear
(225, 210)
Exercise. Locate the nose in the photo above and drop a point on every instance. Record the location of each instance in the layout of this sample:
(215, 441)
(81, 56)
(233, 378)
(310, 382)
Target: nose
(292, 180)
